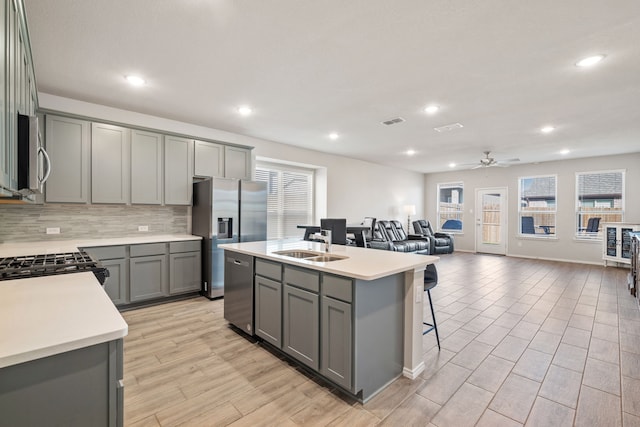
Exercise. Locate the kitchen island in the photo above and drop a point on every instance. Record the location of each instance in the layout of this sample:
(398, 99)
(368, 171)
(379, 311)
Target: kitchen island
(356, 319)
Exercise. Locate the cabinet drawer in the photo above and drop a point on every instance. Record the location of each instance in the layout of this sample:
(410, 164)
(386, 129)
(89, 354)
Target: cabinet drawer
(270, 269)
(148, 249)
(107, 252)
(337, 287)
(187, 246)
(305, 279)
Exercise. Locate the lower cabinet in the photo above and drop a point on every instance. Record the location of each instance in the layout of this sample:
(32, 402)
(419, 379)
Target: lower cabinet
(81, 387)
(336, 343)
(118, 282)
(150, 271)
(301, 319)
(148, 277)
(185, 272)
(268, 310)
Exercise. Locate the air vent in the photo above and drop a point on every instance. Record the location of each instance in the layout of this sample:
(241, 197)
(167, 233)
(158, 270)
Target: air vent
(393, 121)
(448, 128)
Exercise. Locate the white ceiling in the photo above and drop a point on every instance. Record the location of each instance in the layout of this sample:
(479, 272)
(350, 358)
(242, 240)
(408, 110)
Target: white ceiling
(502, 68)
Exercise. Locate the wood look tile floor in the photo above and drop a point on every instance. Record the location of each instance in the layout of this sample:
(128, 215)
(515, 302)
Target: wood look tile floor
(524, 342)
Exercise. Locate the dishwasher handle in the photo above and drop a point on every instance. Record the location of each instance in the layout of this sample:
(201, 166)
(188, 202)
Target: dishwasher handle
(238, 262)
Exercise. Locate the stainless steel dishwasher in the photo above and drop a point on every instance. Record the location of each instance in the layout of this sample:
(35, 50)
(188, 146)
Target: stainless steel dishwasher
(238, 290)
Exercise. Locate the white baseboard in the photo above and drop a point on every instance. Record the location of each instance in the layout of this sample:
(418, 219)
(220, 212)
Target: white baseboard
(573, 261)
(412, 374)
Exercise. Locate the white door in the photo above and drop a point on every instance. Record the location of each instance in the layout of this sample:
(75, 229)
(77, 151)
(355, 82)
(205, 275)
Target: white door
(491, 220)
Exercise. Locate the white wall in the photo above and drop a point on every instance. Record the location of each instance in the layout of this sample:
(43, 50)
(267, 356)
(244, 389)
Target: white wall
(354, 188)
(565, 247)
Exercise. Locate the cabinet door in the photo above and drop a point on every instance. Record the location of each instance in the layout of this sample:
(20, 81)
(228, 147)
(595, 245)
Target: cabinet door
(185, 272)
(110, 161)
(117, 282)
(9, 154)
(148, 277)
(337, 360)
(301, 319)
(268, 310)
(4, 141)
(237, 162)
(208, 159)
(146, 168)
(68, 145)
(178, 170)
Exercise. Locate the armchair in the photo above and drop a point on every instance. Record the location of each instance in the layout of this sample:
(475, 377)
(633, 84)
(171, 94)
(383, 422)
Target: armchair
(390, 235)
(441, 243)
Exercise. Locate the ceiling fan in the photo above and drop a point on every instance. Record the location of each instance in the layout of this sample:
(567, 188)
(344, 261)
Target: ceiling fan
(488, 162)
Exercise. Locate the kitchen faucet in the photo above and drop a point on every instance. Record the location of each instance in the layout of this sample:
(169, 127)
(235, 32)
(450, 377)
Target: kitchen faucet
(324, 236)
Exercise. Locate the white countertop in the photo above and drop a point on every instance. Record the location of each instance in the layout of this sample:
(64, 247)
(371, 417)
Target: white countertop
(43, 316)
(58, 246)
(362, 263)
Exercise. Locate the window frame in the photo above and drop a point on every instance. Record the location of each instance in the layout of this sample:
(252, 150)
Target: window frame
(577, 212)
(543, 235)
(281, 168)
(439, 187)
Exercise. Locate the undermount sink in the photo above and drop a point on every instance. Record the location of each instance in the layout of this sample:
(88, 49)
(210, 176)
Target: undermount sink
(297, 253)
(311, 256)
(326, 258)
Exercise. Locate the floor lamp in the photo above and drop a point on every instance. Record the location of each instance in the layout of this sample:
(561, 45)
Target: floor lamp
(409, 210)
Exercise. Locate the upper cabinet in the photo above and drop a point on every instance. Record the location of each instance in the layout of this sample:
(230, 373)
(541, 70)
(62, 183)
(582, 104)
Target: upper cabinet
(237, 162)
(68, 143)
(209, 159)
(110, 160)
(178, 170)
(146, 168)
(18, 94)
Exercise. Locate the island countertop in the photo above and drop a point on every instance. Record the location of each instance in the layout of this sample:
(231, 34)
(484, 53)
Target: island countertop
(43, 316)
(361, 263)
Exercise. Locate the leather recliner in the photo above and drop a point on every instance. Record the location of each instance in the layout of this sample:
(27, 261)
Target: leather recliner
(389, 235)
(441, 243)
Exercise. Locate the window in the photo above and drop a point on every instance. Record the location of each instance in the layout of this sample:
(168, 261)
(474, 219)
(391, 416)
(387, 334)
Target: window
(599, 199)
(450, 207)
(289, 198)
(537, 208)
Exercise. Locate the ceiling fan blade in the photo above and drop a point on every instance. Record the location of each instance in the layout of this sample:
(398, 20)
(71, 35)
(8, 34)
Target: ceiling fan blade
(477, 166)
(509, 160)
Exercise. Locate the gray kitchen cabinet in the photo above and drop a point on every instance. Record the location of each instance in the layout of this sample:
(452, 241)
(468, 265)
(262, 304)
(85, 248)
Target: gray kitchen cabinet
(301, 315)
(237, 162)
(68, 143)
(268, 310)
(148, 272)
(208, 159)
(146, 168)
(178, 170)
(81, 387)
(110, 163)
(118, 282)
(336, 342)
(185, 267)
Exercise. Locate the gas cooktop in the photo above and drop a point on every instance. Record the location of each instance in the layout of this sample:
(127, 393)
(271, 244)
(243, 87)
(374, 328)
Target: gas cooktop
(21, 267)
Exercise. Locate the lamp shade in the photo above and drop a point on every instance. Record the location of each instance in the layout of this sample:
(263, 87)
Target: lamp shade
(410, 209)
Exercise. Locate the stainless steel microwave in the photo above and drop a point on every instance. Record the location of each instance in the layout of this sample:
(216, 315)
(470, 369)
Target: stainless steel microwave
(34, 165)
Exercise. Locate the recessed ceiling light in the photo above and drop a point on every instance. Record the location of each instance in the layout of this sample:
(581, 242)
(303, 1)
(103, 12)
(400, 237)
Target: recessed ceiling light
(589, 61)
(333, 136)
(452, 165)
(411, 152)
(431, 109)
(547, 129)
(135, 80)
(565, 152)
(244, 110)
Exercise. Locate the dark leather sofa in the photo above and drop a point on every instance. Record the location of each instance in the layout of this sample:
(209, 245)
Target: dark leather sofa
(441, 243)
(390, 236)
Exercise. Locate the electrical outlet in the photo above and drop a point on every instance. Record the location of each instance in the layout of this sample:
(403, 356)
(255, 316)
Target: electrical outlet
(143, 228)
(53, 230)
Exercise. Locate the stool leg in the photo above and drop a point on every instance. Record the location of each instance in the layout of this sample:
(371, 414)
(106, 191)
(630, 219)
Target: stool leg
(433, 316)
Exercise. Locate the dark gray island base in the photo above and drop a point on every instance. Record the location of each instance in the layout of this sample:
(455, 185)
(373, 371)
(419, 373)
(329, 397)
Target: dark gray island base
(348, 330)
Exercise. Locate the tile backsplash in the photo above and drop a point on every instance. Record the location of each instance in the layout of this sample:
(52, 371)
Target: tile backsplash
(30, 222)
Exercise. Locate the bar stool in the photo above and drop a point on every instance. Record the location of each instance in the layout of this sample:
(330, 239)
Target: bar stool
(430, 282)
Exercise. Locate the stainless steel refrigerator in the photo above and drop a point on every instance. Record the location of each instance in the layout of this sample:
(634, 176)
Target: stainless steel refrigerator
(226, 211)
